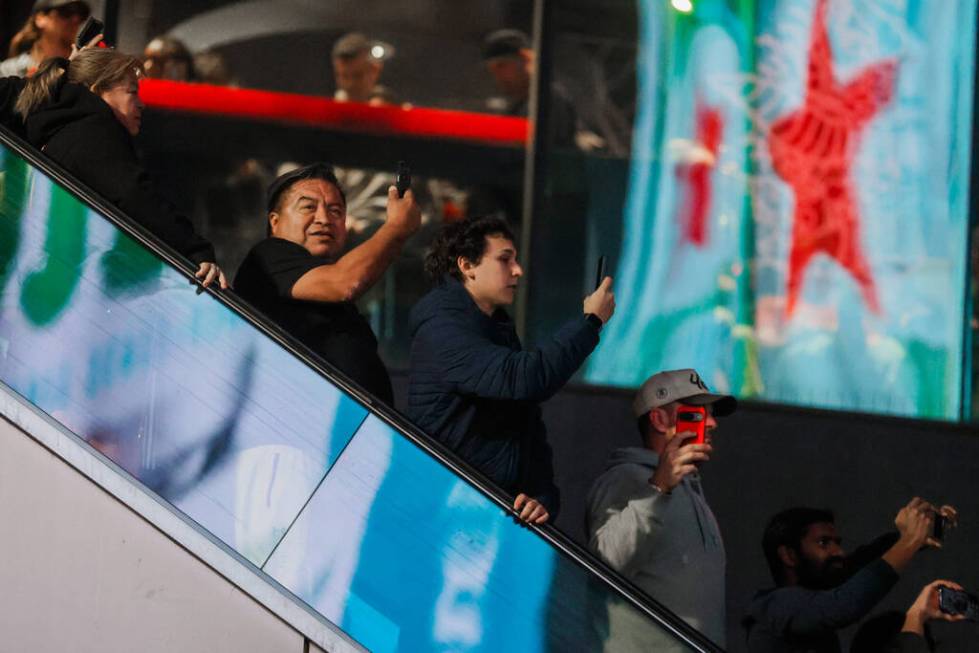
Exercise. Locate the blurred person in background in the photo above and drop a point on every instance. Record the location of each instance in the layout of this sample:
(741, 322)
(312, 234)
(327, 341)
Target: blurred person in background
(212, 68)
(357, 65)
(511, 63)
(49, 32)
(166, 57)
(85, 114)
(819, 588)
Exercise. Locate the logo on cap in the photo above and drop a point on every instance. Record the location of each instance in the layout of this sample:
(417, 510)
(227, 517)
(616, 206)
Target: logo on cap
(661, 393)
(695, 379)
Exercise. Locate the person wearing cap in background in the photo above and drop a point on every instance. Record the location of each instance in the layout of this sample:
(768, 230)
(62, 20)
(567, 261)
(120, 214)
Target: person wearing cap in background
(357, 66)
(511, 61)
(647, 516)
(301, 278)
(49, 32)
(166, 57)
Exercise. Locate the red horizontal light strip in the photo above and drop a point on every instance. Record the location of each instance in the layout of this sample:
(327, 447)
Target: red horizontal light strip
(332, 115)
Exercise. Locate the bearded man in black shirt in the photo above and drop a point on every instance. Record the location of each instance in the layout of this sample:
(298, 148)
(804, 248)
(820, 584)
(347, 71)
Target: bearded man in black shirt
(300, 277)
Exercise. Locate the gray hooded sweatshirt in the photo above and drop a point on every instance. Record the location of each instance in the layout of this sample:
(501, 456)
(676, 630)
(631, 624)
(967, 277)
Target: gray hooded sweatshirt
(668, 545)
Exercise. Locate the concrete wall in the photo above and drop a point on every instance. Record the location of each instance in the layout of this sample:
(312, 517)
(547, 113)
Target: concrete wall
(769, 458)
(81, 572)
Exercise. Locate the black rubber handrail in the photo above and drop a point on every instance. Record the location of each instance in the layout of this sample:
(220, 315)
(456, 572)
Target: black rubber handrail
(582, 557)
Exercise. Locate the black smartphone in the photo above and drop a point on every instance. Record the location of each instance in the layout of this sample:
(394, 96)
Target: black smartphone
(953, 601)
(938, 527)
(404, 178)
(88, 31)
(600, 271)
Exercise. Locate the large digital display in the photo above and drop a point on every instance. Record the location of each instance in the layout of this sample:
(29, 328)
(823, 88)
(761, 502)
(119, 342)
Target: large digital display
(796, 224)
(266, 454)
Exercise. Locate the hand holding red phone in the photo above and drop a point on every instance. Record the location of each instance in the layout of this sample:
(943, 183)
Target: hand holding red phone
(678, 459)
(693, 420)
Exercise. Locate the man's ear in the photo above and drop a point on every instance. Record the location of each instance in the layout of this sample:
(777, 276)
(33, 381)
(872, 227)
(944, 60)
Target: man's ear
(788, 556)
(273, 221)
(659, 419)
(465, 266)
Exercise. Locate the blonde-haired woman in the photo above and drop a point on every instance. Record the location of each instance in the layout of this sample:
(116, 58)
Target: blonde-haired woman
(84, 115)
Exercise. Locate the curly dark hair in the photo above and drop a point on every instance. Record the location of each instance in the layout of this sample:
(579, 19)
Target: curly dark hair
(466, 239)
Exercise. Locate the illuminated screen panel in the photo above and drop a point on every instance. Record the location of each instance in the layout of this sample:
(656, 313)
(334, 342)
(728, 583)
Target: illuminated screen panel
(171, 385)
(405, 556)
(796, 224)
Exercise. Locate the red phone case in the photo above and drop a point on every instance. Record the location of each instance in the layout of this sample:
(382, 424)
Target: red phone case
(692, 419)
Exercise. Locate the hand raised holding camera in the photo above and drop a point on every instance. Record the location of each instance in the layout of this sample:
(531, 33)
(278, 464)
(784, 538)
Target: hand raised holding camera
(677, 461)
(926, 608)
(914, 523)
(403, 213)
(601, 303)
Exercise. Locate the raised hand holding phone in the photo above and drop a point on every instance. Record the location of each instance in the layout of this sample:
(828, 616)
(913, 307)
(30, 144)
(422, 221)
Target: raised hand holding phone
(601, 303)
(691, 420)
(955, 601)
(600, 271)
(678, 459)
(403, 182)
(90, 29)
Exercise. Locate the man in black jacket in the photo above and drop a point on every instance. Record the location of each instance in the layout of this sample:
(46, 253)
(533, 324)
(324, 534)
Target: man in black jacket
(819, 589)
(301, 277)
(471, 385)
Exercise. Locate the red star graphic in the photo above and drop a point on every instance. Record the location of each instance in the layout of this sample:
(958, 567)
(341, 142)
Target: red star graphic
(695, 174)
(812, 149)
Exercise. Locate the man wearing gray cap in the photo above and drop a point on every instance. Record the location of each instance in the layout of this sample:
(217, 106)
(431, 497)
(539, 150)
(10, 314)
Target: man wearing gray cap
(648, 518)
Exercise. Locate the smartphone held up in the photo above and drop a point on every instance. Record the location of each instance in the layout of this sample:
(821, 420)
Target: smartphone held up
(691, 423)
(91, 28)
(959, 602)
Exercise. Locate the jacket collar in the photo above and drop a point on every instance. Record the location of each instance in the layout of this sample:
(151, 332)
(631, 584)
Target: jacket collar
(460, 296)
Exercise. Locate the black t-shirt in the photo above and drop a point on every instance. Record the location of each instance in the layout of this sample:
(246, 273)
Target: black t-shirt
(334, 330)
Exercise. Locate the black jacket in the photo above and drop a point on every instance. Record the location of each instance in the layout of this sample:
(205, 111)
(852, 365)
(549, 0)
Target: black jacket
(79, 131)
(472, 387)
(800, 620)
(10, 88)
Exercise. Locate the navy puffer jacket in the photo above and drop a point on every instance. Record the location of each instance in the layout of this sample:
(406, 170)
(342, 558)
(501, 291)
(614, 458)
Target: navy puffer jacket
(473, 387)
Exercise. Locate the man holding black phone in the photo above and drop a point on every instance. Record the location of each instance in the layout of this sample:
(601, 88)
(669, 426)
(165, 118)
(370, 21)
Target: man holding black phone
(821, 590)
(301, 277)
(647, 515)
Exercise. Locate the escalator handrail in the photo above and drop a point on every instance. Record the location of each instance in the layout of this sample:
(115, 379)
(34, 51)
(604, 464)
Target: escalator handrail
(578, 554)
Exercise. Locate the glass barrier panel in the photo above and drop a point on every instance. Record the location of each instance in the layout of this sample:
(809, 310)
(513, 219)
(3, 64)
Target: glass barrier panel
(405, 556)
(174, 387)
(266, 454)
(790, 252)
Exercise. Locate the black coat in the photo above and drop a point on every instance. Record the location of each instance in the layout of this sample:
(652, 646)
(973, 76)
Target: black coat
(78, 130)
(10, 88)
(473, 387)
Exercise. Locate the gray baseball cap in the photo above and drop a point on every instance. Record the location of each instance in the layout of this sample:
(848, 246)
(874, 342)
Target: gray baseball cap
(680, 385)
